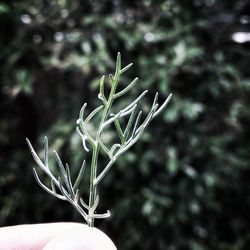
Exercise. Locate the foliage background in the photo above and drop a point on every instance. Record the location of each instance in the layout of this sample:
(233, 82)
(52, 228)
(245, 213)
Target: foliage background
(186, 184)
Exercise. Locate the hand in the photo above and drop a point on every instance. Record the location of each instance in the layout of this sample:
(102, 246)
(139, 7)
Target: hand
(56, 236)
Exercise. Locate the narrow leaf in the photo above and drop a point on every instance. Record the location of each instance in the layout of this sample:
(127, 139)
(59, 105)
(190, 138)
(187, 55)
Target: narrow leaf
(136, 100)
(92, 114)
(62, 169)
(136, 123)
(102, 216)
(71, 190)
(84, 138)
(155, 99)
(163, 106)
(46, 188)
(130, 122)
(126, 89)
(35, 156)
(84, 204)
(46, 152)
(126, 68)
(80, 175)
(118, 65)
(119, 130)
(64, 192)
(102, 93)
(82, 111)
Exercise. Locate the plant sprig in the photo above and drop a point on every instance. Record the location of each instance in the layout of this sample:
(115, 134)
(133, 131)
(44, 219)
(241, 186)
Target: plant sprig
(62, 187)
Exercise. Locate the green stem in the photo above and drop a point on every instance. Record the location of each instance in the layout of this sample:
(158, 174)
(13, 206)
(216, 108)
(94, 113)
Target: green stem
(96, 149)
(92, 193)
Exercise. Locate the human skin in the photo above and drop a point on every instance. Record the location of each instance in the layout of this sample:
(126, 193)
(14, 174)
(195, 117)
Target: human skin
(54, 236)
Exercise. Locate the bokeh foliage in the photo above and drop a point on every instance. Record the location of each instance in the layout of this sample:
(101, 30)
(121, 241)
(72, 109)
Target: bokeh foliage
(185, 185)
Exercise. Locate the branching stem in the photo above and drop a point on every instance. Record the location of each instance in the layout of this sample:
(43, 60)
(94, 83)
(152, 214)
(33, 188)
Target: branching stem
(62, 187)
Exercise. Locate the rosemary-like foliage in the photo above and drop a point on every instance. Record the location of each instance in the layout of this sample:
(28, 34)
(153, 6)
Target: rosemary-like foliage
(63, 187)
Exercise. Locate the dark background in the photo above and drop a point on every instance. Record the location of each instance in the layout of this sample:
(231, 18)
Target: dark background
(186, 184)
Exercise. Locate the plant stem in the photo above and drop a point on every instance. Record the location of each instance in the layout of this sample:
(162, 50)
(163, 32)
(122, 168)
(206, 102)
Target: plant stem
(93, 184)
(92, 193)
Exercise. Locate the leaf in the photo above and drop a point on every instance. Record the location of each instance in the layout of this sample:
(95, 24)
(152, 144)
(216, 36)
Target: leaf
(118, 65)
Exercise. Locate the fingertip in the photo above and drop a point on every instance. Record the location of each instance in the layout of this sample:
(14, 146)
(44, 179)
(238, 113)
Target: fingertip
(81, 237)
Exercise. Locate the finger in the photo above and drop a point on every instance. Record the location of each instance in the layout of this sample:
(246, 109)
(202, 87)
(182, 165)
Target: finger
(33, 237)
(81, 237)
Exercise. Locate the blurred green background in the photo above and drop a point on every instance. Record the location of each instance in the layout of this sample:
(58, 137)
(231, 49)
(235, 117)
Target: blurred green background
(185, 185)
